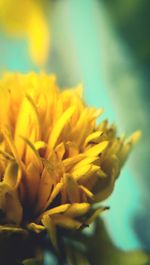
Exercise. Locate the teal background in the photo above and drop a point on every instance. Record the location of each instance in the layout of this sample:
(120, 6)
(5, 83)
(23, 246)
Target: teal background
(93, 43)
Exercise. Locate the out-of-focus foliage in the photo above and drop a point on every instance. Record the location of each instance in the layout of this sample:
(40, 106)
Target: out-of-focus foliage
(131, 85)
(98, 249)
(132, 20)
(32, 262)
(77, 248)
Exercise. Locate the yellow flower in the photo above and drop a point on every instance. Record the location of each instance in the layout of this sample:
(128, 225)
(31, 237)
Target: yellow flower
(26, 19)
(55, 161)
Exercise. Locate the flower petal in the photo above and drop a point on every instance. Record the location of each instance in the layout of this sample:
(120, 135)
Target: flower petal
(78, 209)
(47, 221)
(72, 189)
(35, 227)
(93, 137)
(12, 176)
(54, 193)
(97, 149)
(59, 209)
(58, 127)
(66, 222)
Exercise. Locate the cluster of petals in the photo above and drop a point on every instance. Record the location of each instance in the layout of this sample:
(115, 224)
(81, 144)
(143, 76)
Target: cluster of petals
(56, 161)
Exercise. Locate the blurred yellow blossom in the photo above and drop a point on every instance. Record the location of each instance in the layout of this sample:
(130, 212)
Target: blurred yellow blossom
(55, 161)
(26, 19)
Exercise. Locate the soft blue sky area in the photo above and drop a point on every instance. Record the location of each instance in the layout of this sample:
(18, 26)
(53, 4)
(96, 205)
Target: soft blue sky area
(14, 55)
(88, 50)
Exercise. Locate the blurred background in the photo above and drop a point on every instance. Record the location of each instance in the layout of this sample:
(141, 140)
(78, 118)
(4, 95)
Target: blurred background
(104, 44)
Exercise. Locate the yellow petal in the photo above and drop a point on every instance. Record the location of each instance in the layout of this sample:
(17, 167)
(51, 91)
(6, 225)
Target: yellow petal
(59, 209)
(4, 101)
(78, 209)
(35, 227)
(97, 149)
(81, 171)
(8, 136)
(96, 213)
(66, 222)
(60, 150)
(69, 162)
(54, 193)
(12, 176)
(114, 147)
(35, 110)
(71, 149)
(106, 191)
(32, 180)
(101, 173)
(10, 204)
(135, 137)
(84, 172)
(103, 125)
(85, 161)
(124, 152)
(93, 137)
(72, 189)
(98, 112)
(44, 191)
(40, 145)
(87, 192)
(6, 155)
(28, 124)
(58, 127)
(79, 90)
(33, 155)
(64, 195)
(82, 122)
(47, 221)
(22, 126)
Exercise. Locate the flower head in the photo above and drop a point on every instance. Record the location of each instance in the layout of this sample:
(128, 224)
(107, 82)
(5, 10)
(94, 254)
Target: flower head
(55, 161)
